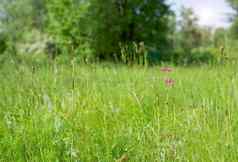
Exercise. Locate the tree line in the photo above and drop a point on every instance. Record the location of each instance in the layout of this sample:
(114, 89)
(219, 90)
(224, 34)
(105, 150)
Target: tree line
(121, 30)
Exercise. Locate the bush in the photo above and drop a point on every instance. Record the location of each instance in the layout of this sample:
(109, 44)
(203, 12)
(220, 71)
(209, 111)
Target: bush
(3, 43)
(203, 55)
(178, 56)
(33, 60)
(196, 56)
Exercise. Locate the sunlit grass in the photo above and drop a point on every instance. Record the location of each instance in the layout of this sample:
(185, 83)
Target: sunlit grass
(101, 113)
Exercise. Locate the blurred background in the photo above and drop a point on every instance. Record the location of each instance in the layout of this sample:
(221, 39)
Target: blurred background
(131, 32)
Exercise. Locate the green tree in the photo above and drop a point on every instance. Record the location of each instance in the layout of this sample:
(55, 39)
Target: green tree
(16, 18)
(233, 32)
(124, 21)
(38, 13)
(206, 36)
(19, 16)
(190, 35)
(219, 37)
(100, 25)
(234, 26)
(66, 23)
(234, 4)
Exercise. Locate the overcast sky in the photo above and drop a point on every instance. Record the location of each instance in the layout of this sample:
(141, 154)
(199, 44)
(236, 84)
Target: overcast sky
(210, 12)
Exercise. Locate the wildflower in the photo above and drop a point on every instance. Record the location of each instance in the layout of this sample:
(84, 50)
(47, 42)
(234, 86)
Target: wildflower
(169, 82)
(166, 69)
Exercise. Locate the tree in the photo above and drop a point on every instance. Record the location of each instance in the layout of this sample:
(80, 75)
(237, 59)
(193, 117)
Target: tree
(15, 19)
(38, 13)
(100, 25)
(219, 37)
(206, 36)
(234, 26)
(234, 4)
(234, 29)
(190, 35)
(18, 16)
(124, 21)
(66, 23)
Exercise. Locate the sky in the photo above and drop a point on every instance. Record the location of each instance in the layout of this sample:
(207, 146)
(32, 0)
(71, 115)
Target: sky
(214, 13)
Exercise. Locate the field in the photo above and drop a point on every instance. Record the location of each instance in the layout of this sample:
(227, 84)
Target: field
(106, 113)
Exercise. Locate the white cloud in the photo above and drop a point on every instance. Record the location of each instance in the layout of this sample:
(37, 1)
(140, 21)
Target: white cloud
(210, 12)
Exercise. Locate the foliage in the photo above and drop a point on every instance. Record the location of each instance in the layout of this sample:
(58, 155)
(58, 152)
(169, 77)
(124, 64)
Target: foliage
(190, 36)
(200, 55)
(98, 30)
(234, 4)
(204, 55)
(127, 22)
(220, 37)
(3, 43)
(18, 17)
(65, 25)
(234, 27)
(32, 42)
(134, 53)
(206, 36)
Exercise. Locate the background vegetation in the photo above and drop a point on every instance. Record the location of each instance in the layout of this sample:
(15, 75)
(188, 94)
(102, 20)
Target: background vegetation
(92, 30)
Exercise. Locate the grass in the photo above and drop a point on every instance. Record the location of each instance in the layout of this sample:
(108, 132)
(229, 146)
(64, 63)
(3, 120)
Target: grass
(100, 113)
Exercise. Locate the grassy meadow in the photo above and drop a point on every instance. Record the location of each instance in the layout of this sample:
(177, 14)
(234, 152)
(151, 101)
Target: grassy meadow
(118, 81)
(106, 113)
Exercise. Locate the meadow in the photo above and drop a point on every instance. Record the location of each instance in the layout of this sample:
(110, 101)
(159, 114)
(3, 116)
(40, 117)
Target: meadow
(106, 113)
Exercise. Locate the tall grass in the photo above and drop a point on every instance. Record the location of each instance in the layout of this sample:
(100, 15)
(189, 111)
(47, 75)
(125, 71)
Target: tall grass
(101, 113)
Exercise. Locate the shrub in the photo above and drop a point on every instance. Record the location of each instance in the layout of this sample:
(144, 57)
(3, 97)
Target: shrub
(178, 56)
(85, 54)
(200, 55)
(3, 43)
(203, 55)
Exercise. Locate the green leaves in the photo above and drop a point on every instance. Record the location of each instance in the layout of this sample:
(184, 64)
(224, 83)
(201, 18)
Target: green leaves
(234, 4)
(128, 21)
(65, 22)
(233, 28)
(100, 24)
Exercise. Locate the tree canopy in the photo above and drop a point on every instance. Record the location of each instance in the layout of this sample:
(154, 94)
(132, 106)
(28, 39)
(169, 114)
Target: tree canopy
(99, 24)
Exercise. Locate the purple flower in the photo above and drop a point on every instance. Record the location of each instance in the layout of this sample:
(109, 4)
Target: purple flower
(169, 82)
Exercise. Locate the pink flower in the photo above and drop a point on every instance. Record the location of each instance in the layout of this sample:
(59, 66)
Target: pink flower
(169, 82)
(166, 69)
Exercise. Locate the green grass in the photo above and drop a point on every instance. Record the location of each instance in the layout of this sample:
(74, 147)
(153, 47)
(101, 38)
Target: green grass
(99, 113)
